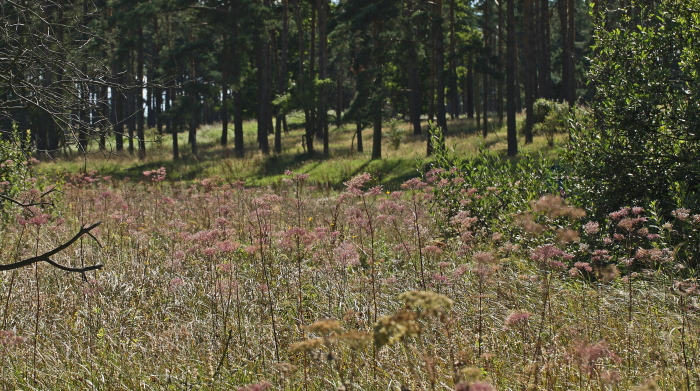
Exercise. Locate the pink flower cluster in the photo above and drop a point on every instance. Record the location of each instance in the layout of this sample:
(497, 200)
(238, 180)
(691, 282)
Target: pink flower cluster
(155, 175)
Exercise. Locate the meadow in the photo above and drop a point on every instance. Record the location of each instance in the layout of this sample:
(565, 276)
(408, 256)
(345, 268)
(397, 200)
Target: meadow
(473, 276)
(402, 154)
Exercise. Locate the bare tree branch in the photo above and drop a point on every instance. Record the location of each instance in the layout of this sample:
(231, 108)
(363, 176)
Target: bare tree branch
(26, 205)
(45, 257)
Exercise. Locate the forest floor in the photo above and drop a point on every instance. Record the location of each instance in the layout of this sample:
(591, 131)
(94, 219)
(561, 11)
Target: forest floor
(402, 154)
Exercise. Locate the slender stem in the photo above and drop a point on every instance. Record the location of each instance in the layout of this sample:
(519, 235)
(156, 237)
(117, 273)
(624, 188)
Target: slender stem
(12, 281)
(543, 315)
(38, 304)
(685, 354)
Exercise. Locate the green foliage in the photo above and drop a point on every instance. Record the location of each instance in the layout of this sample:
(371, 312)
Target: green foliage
(550, 118)
(15, 165)
(396, 133)
(642, 141)
(493, 188)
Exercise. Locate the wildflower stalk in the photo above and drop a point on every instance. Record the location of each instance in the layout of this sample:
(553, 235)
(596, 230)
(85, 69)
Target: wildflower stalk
(540, 329)
(38, 304)
(416, 227)
(12, 280)
(370, 227)
(262, 237)
(629, 322)
(686, 364)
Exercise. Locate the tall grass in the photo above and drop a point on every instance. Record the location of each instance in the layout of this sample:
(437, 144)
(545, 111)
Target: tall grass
(227, 287)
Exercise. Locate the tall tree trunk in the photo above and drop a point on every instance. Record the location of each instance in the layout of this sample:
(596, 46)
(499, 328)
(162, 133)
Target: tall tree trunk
(130, 119)
(224, 109)
(140, 131)
(238, 145)
(469, 94)
(282, 74)
(544, 62)
(528, 21)
(339, 96)
(172, 122)
(499, 91)
(157, 108)
(194, 100)
(360, 147)
(263, 63)
(322, 121)
(414, 97)
(433, 77)
(413, 70)
(106, 113)
(118, 127)
(150, 117)
(485, 80)
(570, 46)
(439, 65)
(563, 23)
(225, 66)
(378, 109)
(511, 90)
(302, 76)
(454, 89)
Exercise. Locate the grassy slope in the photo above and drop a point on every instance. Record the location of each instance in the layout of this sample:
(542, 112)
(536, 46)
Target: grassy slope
(394, 168)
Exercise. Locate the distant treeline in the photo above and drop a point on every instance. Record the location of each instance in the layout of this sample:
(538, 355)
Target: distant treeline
(110, 68)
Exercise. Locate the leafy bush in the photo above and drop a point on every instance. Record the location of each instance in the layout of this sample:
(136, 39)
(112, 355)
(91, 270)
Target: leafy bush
(488, 186)
(15, 165)
(641, 142)
(396, 133)
(550, 118)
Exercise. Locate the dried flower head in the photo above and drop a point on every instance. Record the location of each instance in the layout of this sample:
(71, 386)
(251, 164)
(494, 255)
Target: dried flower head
(565, 235)
(306, 346)
(355, 339)
(608, 273)
(426, 302)
(685, 288)
(324, 326)
(554, 206)
(10, 338)
(390, 329)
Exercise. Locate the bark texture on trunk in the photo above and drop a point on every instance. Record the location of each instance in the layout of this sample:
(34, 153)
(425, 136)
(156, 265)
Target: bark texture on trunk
(511, 90)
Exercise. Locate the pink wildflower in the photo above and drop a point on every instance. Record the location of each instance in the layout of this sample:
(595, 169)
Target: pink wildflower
(155, 175)
(517, 317)
(591, 227)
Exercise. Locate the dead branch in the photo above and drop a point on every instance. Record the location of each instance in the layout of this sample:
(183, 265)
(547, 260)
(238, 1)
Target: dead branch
(45, 257)
(26, 205)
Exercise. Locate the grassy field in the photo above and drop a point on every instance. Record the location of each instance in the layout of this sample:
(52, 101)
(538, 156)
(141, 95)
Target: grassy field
(470, 279)
(396, 166)
(216, 286)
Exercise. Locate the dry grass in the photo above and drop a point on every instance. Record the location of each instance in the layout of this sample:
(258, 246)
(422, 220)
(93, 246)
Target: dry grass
(213, 287)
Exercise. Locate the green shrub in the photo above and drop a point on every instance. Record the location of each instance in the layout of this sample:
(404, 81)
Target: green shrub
(15, 164)
(396, 133)
(495, 189)
(550, 118)
(641, 141)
